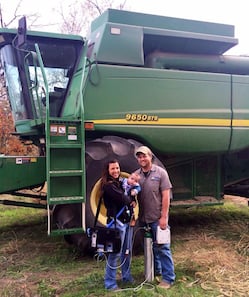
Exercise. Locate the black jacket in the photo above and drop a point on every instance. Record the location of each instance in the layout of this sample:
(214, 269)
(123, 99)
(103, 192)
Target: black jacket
(115, 200)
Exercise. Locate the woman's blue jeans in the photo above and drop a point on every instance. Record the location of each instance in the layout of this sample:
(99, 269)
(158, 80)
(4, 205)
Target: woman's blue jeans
(163, 261)
(126, 233)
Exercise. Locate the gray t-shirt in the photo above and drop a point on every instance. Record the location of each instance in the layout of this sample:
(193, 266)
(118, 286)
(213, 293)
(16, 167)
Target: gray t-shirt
(150, 197)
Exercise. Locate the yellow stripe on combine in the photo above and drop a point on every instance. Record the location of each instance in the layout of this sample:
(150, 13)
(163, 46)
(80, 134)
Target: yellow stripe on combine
(240, 123)
(175, 122)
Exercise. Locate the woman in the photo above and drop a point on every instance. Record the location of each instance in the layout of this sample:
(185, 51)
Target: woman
(115, 200)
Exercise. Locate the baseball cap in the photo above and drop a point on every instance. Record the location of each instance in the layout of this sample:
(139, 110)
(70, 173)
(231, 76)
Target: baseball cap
(143, 150)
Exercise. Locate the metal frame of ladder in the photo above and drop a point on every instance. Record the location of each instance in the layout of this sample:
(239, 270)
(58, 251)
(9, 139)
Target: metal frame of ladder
(65, 159)
(65, 168)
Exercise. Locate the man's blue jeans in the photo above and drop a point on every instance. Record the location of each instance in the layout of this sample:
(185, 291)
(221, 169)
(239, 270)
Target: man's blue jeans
(163, 260)
(126, 232)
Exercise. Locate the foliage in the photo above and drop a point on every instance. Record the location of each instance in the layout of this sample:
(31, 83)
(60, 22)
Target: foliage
(9, 143)
(6, 124)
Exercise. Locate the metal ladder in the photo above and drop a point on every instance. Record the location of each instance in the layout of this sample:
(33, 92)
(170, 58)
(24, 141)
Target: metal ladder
(65, 158)
(65, 155)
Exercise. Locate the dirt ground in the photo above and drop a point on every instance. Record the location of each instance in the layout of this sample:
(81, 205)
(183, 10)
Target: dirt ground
(214, 252)
(237, 200)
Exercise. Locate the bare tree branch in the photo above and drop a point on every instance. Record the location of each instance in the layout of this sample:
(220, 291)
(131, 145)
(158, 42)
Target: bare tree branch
(79, 15)
(32, 18)
(15, 16)
(1, 16)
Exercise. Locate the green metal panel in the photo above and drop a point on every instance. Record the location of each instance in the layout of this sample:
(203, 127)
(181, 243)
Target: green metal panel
(161, 22)
(67, 188)
(200, 63)
(21, 172)
(124, 37)
(181, 174)
(207, 177)
(235, 167)
(9, 34)
(72, 106)
(65, 158)
(171, 111)
(195, 178)
(240, 104)
(119, 44)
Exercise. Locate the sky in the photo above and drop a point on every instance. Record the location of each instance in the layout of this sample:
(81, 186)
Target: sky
(218, 11)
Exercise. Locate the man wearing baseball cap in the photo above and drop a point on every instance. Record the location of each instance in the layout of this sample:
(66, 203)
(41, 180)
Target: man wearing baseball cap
(144, 150)
(154, 201)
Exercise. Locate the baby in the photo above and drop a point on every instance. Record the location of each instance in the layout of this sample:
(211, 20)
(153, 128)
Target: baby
(131, 184)
(131, 187)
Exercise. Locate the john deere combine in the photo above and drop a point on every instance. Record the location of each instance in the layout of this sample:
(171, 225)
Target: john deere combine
(137, 79)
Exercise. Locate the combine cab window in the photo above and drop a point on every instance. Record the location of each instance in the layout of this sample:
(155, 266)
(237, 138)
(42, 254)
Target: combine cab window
(13, 83)
(25, 84)
(57, 85)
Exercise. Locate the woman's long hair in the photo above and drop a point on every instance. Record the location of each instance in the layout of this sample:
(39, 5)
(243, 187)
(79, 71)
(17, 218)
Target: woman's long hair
(106, 178)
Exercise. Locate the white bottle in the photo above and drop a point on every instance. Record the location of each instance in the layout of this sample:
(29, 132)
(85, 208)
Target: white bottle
(163, 236)
(94, 239)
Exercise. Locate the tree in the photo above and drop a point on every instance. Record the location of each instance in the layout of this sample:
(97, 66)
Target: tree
(6, 121)
(32, 18)
(9, 143)
(79, 14)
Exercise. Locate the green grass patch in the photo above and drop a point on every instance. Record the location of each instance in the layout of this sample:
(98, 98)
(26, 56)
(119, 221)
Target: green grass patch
(209, 244)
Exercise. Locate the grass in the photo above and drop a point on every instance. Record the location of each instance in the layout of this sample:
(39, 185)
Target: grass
(210, 248)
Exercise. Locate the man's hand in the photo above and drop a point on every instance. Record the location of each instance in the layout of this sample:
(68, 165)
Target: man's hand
(163, 223)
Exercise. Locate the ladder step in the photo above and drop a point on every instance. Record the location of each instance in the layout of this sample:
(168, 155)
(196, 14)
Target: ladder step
(65, 172)
(66, 231)
(65, 145)
(66, 199)
(64, 120)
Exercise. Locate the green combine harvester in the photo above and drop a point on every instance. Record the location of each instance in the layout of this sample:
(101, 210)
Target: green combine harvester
(138, 79)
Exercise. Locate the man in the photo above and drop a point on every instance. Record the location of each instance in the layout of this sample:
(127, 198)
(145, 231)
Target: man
(154, 201)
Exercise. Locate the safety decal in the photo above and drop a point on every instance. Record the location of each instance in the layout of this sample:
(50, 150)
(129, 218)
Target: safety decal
(72, 133)
(25, 160)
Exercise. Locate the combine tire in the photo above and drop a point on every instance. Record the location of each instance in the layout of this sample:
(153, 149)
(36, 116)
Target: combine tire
(98, 152)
